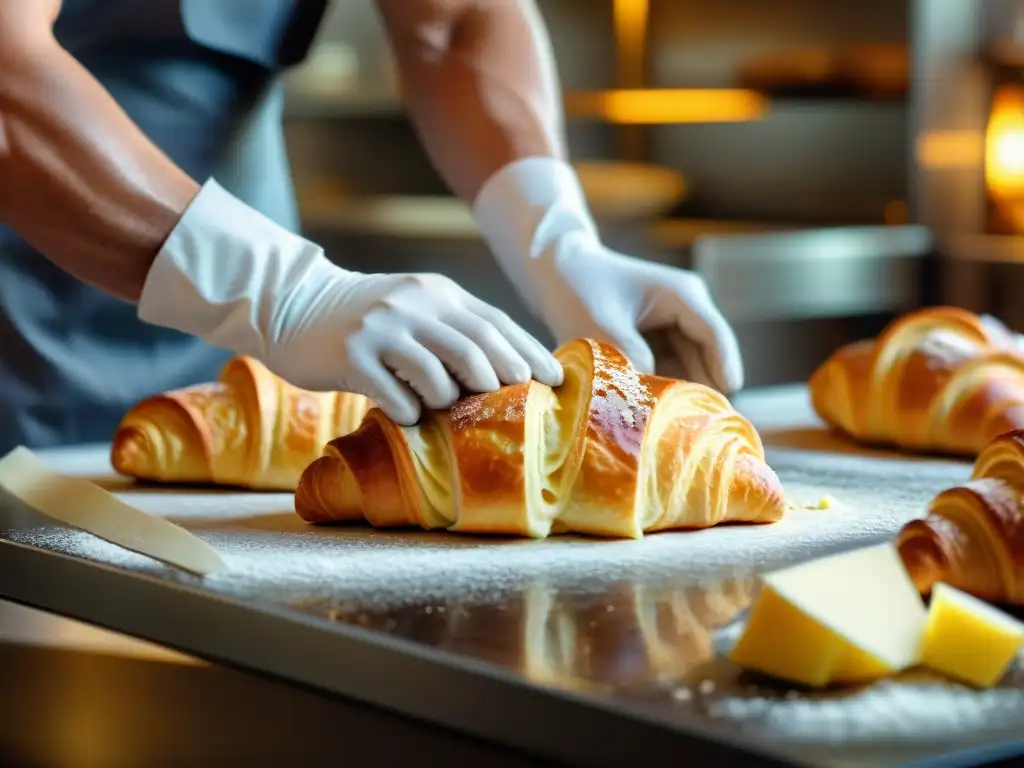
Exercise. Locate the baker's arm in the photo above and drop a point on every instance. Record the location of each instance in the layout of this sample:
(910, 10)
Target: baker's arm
(479, 79)
(78, 180)
(81, 183)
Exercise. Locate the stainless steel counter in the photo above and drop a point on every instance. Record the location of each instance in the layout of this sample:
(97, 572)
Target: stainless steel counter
(584, 652)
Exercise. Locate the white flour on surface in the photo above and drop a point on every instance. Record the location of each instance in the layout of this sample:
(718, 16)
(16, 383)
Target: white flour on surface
(273, 556)
(914, 706)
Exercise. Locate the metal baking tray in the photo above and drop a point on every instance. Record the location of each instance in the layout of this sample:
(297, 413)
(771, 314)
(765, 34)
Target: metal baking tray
(580, 652)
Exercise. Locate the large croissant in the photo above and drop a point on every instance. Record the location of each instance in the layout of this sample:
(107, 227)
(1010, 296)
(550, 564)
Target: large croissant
(250, 429)
(973, 535)
(938, 380)
(609, 453)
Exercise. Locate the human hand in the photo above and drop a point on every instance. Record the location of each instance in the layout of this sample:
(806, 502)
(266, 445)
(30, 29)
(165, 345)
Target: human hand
(535, 218)
(590, 290)
(401, 340)
(241, 282)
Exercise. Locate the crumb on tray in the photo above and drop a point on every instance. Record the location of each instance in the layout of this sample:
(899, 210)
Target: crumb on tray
(825, 502)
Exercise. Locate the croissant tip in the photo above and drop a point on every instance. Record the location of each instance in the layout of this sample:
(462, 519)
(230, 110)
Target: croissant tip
(922, 555)
(128, 451)
(769, 495)
(304, 502)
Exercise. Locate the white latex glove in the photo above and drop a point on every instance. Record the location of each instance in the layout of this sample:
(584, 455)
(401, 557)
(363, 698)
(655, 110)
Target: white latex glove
(233, 277)
(536, 221)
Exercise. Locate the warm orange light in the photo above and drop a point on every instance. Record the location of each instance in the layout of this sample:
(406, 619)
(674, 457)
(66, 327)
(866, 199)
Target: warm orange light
(630, 19)
(1004, 145)
(677, 105)
(951, 149)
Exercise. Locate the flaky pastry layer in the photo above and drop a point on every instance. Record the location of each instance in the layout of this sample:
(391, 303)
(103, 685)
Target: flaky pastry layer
(973, 535)
(938, 380)
(248, 429)
(609, 453)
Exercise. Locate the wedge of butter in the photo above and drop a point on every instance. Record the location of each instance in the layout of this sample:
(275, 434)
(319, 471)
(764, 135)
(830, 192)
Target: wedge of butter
(968, 640)
(848, 618)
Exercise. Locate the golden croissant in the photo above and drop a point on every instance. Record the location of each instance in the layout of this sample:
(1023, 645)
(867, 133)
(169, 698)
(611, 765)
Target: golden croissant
(250, 429)
(937, 380)
(610, 453)
(973, 535)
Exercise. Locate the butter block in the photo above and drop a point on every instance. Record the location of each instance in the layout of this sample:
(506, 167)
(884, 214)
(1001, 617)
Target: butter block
(853, 617)
(967, 639)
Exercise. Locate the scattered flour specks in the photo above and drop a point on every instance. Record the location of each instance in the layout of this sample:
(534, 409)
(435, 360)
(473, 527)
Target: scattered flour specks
(274, 556)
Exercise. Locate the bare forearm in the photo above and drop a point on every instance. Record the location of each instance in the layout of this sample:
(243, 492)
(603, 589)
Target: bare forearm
(479, 79)
(78, 180)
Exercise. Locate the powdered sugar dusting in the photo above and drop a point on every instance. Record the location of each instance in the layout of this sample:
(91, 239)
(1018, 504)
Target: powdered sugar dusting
(886, 716)
(948, 346)
(274, 556)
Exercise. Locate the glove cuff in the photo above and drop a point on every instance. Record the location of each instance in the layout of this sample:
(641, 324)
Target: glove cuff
(223, 270)
(526, 209)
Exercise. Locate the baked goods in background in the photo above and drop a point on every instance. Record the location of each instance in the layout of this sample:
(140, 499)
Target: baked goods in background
(876, 69)
(249, 429)
(791, 71)
(936, 380)
(869, 70)
(611, 452)
(973, 535)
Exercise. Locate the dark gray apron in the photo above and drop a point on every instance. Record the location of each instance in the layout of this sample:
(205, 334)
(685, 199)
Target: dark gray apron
(200, 78)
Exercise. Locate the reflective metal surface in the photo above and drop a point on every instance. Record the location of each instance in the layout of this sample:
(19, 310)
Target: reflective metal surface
(632, 628)
(828, 272)
(628, 639)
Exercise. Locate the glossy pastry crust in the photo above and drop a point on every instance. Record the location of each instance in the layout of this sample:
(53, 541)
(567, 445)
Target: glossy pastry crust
(973, 535)
(611, 452)
(938, 380)
(248, 429)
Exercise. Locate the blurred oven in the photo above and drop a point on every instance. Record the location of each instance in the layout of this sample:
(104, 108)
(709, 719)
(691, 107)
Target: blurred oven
(967, 170)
